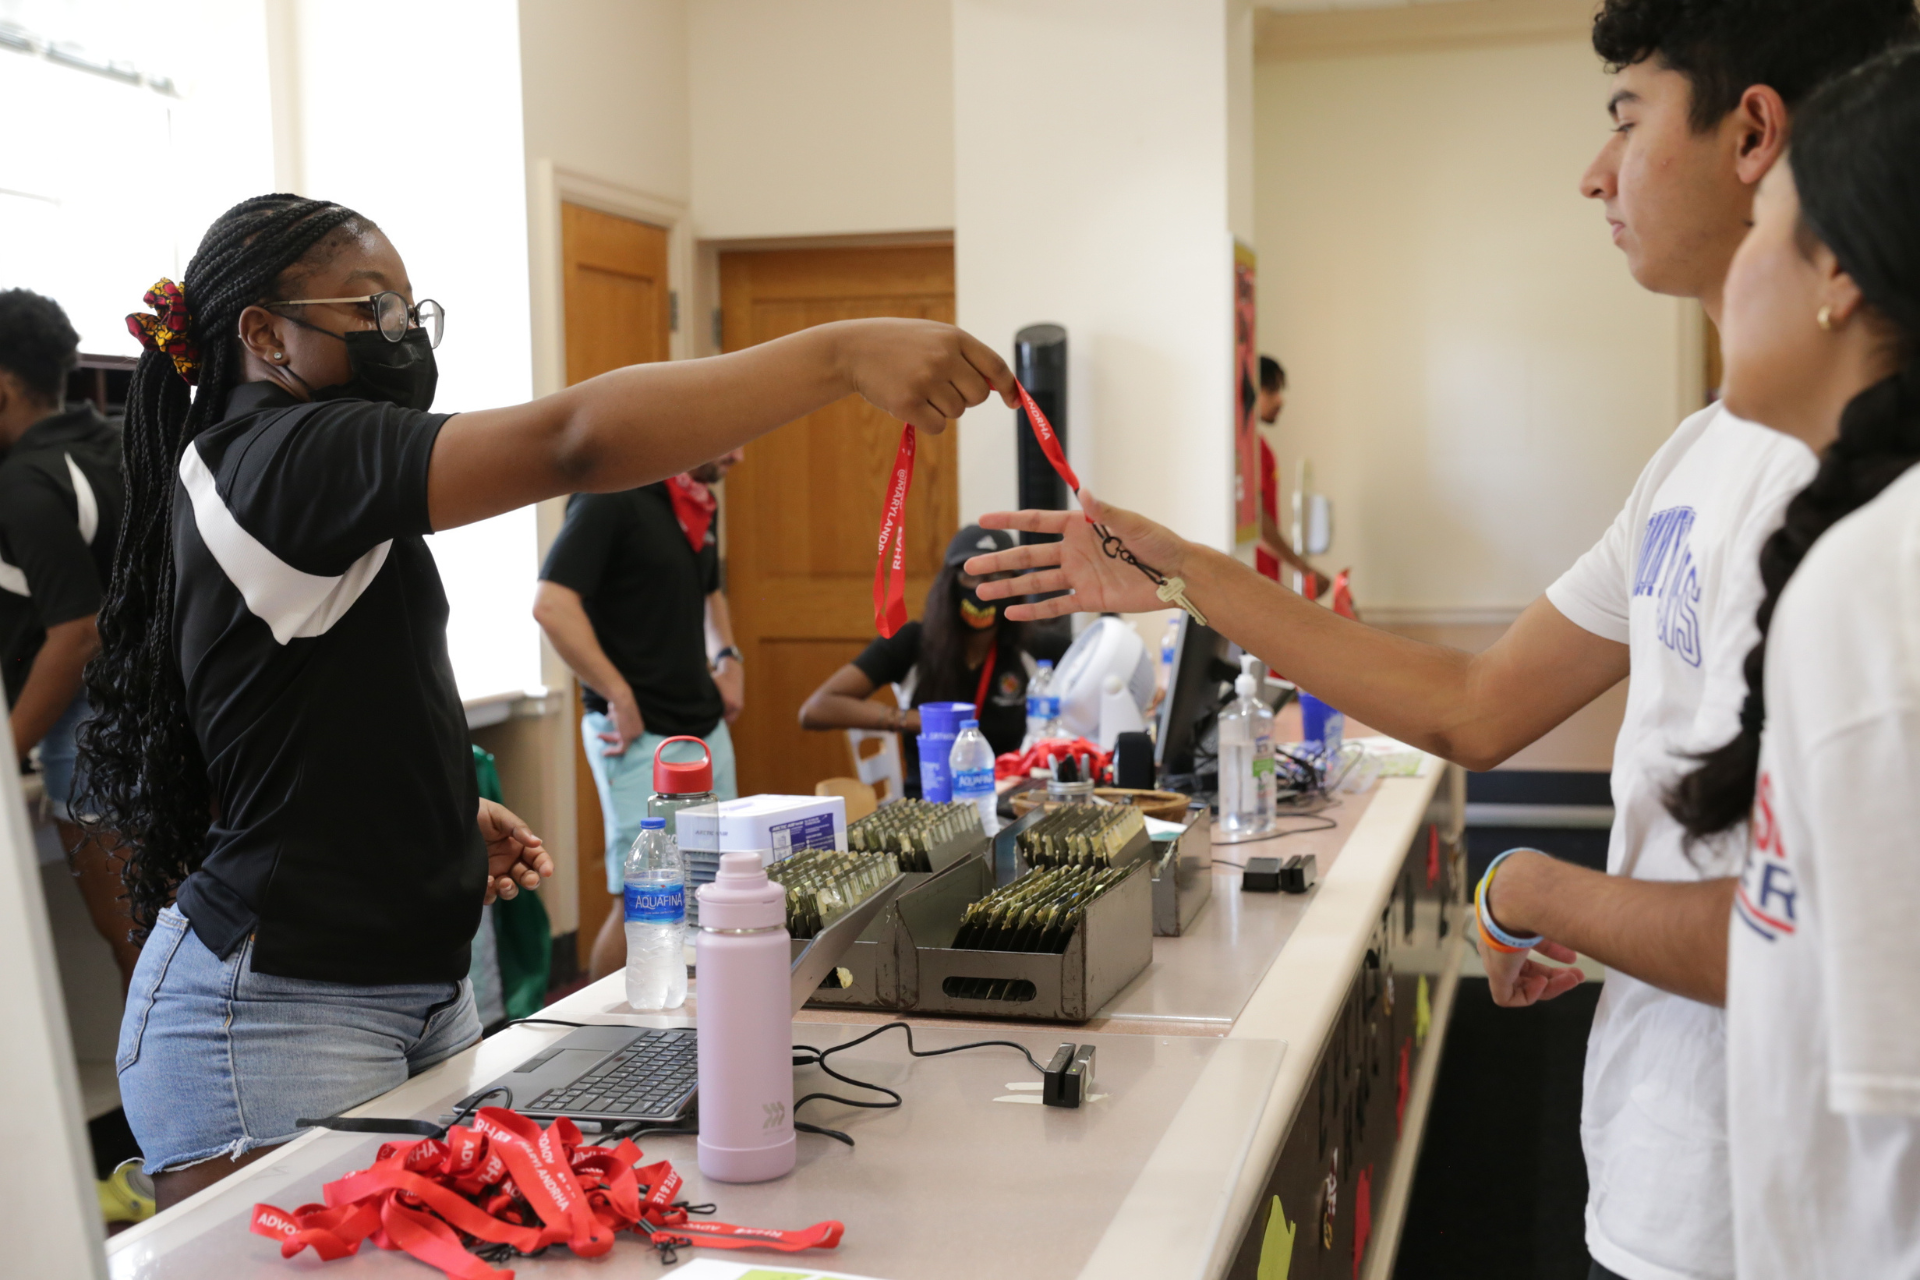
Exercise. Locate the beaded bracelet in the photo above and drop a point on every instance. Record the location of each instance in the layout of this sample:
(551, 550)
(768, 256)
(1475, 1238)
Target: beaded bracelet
(1490, 931)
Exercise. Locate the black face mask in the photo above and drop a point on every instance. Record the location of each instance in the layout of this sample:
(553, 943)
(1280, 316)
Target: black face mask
(401, 373)
(975, 612)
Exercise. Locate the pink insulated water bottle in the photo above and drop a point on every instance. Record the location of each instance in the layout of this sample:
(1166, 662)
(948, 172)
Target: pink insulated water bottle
(746, 1025)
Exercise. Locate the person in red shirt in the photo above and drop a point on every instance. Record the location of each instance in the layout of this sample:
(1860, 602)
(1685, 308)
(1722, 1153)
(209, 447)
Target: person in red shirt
(1273, 549)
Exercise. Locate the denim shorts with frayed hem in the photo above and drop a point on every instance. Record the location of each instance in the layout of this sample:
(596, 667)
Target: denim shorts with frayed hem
(216, 1059)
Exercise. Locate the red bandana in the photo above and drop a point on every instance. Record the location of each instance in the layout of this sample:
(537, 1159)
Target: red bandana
(693, 505)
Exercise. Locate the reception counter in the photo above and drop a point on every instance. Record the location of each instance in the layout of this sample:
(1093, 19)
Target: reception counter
(1261, 1088)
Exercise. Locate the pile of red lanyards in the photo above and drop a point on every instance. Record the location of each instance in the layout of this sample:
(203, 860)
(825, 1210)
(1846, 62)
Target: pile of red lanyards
(507, 1182)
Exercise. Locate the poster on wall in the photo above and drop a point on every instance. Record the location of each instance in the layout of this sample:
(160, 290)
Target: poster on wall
(1246, 379)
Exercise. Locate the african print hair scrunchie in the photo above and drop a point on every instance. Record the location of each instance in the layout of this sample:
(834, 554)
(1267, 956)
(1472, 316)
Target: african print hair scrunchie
(166, 329)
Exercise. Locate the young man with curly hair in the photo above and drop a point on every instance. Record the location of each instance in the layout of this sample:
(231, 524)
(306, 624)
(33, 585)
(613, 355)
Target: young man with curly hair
(1700, 100)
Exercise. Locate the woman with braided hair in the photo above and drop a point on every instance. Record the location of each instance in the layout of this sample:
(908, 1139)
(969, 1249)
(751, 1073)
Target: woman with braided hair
(278, 737)
(1813, 947)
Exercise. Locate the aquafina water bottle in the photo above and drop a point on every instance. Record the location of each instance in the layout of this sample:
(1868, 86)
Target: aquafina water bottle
(1042, 707)
(972, 765)
(656, 905)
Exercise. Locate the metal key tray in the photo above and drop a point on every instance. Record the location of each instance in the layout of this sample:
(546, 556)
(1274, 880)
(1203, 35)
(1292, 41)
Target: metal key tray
(1113, 943)
(1183, 875)
(877, 971)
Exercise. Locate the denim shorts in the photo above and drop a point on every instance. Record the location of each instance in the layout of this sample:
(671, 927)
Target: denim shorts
(626, 780)
(58, 753)
(216, 1059)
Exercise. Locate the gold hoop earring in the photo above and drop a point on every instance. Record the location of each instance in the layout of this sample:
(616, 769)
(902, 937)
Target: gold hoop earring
(1825, 319)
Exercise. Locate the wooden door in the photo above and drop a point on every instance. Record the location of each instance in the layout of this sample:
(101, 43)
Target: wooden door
(802, 513)
(618, 312)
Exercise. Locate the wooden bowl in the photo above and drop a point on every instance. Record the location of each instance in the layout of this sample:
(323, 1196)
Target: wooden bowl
(1168, 806)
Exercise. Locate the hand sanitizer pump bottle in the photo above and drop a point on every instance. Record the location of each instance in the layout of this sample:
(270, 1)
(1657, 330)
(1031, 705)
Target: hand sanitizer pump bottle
(745, 1018)
(1246, 758)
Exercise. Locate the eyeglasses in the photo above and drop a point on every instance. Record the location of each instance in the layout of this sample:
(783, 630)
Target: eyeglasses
(393, 312)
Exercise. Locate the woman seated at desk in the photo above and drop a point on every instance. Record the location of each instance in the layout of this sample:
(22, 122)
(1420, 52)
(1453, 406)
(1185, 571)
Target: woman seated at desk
(965, 651)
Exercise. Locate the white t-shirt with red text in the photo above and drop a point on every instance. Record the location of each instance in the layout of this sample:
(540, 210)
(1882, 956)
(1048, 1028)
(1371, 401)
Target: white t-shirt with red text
(1823, 982)
(1677, 580)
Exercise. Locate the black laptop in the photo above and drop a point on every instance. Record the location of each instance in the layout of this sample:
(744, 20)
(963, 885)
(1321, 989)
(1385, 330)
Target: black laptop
(613, 1074)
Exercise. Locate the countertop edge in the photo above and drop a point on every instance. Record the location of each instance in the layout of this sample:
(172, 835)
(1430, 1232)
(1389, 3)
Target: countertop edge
(1295, 1003)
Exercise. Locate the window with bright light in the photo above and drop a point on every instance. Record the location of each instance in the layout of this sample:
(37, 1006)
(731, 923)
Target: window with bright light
(133, 125)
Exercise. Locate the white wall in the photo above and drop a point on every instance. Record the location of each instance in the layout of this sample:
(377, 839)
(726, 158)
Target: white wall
(445, 177)
(1092, 152)
(1474, 375)
(605, 84)
(832, 117)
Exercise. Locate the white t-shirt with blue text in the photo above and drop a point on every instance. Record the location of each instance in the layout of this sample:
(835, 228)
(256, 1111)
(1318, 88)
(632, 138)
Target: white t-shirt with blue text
(1676, 579)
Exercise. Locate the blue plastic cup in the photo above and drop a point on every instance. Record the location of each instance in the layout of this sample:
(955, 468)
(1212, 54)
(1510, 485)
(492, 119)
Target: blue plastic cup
(939, 726)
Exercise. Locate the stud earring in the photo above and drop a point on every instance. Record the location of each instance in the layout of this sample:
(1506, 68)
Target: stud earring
(281, 355)
(1825, 319)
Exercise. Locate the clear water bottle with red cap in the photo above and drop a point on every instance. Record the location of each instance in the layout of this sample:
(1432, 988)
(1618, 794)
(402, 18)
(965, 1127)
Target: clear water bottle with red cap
(680, 784)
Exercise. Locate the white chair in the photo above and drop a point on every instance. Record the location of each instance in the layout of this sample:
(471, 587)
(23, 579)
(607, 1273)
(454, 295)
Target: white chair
(877, 766)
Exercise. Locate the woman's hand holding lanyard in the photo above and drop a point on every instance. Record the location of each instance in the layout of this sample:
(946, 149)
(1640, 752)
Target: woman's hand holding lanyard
(516, 859)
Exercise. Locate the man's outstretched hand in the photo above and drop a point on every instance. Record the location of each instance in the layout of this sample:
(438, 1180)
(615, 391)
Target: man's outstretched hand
(516, 859)
(1099, 583)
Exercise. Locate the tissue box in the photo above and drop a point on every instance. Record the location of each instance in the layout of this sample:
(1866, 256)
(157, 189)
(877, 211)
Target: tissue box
(775, 827)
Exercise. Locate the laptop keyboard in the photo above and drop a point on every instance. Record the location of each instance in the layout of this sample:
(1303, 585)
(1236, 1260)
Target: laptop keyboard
(651, 1077)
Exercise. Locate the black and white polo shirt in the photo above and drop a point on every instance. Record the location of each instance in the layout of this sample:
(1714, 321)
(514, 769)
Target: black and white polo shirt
(311, 629)
(61, 497)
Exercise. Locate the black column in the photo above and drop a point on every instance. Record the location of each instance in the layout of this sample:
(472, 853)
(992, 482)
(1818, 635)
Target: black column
(1040, 362)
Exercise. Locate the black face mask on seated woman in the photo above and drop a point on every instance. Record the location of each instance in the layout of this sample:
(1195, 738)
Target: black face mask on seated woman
(975, 612)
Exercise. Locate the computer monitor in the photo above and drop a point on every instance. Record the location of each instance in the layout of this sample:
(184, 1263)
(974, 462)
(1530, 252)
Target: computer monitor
(1198, 686)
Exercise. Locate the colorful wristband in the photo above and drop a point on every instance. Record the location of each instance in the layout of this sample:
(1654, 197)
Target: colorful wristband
(1490, 929)
(1487, 941)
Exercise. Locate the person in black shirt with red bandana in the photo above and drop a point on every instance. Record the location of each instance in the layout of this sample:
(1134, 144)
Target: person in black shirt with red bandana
(629, 596)
(277, 732)
(60, 502)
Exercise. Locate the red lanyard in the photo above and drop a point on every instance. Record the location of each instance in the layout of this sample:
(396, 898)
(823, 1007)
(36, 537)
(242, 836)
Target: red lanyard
(890, 570)
(986, 681)
(1049, 442)
(508, 1182)
(890, 589)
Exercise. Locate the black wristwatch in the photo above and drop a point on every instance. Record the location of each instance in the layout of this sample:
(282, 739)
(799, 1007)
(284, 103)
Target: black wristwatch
(729, 652)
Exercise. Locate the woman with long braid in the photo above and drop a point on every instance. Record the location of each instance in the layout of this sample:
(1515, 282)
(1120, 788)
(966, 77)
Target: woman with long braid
(278, 737)
(1814, 947)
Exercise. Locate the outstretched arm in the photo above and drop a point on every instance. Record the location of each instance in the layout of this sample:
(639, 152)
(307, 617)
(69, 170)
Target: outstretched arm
(1672, 935)
(1474, 709)
(649, 421)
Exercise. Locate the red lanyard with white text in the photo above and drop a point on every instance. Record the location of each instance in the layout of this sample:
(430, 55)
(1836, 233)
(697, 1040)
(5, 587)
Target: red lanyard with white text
(890, 579)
